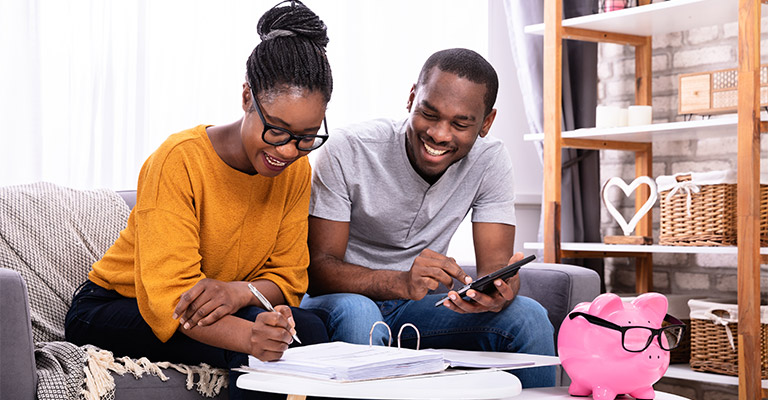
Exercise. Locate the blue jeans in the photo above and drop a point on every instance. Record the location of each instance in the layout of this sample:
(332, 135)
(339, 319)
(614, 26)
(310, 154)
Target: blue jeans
(107, 320)
(522, 327)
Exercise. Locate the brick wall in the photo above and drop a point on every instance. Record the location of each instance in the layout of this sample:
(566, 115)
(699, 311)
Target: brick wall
(697, 275)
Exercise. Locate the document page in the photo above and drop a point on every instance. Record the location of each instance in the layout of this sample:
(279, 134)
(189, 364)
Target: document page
(487, 359)
(350, 362)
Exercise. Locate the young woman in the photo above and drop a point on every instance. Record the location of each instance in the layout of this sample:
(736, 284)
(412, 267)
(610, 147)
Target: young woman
(219, 208)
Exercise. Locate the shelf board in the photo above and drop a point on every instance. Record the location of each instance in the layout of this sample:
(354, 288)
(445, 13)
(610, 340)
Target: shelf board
(684, 371)
(654, 19)
(631, 248)
(668, 131)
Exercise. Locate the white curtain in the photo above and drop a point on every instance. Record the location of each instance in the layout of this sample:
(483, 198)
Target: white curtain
(89, 88)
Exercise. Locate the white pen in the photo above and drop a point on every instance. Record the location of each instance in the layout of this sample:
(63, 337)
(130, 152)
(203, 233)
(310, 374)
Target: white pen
(267, 305)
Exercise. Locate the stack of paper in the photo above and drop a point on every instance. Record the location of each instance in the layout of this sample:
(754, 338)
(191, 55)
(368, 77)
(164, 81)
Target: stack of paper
(352, 362)
(485, 359)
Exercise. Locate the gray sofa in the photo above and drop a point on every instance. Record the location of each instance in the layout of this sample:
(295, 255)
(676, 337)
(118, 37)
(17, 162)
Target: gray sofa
(557, 287)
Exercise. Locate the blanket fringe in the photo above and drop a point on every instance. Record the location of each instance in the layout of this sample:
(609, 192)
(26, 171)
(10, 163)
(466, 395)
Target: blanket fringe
(98, 380)
(212, 380)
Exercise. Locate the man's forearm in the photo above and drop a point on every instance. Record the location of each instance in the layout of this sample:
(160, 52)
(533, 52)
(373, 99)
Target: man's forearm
(329, 274)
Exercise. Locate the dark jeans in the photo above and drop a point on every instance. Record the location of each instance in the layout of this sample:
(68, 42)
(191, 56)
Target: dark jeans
(106, 319)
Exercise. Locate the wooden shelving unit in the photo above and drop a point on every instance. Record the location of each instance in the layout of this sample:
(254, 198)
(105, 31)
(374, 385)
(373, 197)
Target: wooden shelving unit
(635, 27)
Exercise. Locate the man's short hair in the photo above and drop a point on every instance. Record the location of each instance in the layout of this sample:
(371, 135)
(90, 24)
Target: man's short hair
(466, 64)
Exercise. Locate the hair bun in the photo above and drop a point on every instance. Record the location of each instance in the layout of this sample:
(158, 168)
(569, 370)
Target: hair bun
(292, 19)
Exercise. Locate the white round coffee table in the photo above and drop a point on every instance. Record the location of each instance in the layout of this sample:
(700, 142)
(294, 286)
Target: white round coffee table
(561, 393)
(472, 385)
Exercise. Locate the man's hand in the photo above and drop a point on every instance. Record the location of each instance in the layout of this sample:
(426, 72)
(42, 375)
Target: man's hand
(271, 333)
(503, 295)
(207, 302)
(430, 269)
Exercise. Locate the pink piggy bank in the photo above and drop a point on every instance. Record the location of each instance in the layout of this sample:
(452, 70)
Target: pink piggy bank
(604, 357)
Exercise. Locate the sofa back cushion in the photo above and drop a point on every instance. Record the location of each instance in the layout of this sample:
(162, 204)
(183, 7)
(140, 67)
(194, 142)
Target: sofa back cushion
(129, 196)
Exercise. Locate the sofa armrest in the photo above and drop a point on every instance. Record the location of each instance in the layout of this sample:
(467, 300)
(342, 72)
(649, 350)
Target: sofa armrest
(559, 288)
(18, 375)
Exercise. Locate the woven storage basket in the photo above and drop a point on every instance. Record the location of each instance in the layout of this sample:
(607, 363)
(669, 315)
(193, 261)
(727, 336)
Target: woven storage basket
(712, 350)
(701, 214)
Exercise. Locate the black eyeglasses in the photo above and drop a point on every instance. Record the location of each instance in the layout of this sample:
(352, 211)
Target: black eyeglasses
(277, 136)
(637, 338)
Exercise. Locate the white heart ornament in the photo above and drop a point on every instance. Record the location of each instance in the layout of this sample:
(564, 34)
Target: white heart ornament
(628, 189)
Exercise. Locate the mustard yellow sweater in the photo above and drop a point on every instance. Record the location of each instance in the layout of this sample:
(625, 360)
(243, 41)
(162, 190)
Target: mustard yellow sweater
(196, 217)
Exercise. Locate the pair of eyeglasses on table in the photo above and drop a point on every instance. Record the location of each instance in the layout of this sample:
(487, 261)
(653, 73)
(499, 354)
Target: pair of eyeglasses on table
(635, 339)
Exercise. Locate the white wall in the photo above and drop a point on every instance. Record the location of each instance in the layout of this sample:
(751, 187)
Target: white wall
(89, 88)
(93, 87)
(510, 125)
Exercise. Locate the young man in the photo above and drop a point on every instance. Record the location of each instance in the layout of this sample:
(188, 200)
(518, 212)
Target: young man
(386, 198)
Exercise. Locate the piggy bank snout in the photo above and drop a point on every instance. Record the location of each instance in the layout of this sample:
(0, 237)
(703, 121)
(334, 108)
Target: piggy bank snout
(654, 356)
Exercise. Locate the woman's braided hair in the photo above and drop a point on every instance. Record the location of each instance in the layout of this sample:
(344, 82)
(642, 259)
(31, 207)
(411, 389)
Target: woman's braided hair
(291, 53)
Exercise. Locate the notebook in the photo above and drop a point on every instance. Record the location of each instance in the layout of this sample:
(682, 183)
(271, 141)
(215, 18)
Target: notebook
(341, 361)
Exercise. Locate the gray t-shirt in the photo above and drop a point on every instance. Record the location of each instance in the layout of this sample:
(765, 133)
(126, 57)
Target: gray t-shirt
(363, 176)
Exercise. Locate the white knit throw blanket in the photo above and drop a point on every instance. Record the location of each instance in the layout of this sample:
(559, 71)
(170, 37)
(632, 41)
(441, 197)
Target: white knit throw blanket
(52, 235)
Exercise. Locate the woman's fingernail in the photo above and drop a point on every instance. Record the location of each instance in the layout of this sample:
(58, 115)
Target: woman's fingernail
(186, 325)
(452, 297)
(467, 279)
(471, 294)
(497, 282)
(175, 316)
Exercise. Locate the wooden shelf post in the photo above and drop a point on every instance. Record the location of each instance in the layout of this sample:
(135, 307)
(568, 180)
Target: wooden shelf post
(748, 200)
(644, 163)
(553, 95)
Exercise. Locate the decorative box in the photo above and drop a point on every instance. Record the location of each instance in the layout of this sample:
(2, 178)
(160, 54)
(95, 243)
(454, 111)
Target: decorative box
(714, 92)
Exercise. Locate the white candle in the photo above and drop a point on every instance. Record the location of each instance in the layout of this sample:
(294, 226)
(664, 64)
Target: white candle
(623, 117)
(640, 115)
(606, 116)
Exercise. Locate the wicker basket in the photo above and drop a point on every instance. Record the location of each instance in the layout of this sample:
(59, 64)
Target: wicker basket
(711, 349)
(706, 218)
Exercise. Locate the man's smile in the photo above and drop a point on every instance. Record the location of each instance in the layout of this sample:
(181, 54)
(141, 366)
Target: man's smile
(433, 151)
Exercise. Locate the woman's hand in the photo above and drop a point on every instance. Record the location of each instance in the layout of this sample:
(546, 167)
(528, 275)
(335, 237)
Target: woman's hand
(271, 333)
(207, 302)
